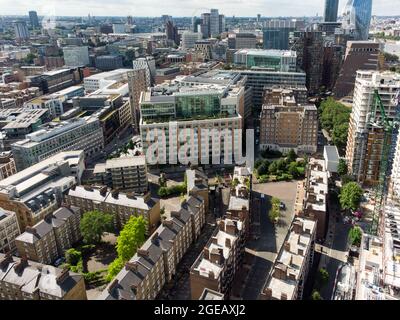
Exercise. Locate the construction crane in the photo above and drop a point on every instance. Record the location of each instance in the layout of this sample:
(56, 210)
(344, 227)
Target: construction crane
(390, 132)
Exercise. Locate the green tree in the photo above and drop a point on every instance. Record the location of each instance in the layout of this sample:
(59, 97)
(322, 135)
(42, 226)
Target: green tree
(355, 235)
(339, 135)
(94, 224)
(131, 237)
(316, 295)
(292, 170)
(272, 168)
(322, 278)
(274, 212)
(72, 256)
(291, 156)
(342, 167)
(114, 268)
(29, 58)
(350, 196)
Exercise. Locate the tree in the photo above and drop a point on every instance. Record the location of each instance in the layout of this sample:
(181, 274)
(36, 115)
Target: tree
(355, 235)
(72, 256)
(316, 295)
(339, 135)
(350, 196)
(114, 268)
(342, 167)
(272, 168)
(131, 237)
(29, 58)
(292, 169)
(291, 156)
(322, 278)
(94, 224)
(275, 211)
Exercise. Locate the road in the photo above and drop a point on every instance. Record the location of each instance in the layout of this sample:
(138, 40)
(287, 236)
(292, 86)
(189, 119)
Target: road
(334, 250)
(261, 253)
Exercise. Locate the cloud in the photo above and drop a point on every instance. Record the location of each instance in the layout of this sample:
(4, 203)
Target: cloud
(183, 7)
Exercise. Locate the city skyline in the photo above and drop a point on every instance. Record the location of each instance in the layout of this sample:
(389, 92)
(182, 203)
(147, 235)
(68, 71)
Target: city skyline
(180, 8)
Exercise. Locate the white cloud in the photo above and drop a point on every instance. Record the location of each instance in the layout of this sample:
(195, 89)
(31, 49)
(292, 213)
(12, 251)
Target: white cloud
(183, 7)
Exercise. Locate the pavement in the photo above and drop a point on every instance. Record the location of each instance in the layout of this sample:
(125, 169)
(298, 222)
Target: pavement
(262, 252)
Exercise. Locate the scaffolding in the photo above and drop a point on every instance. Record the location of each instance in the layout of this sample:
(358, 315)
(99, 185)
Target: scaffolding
(390, 130)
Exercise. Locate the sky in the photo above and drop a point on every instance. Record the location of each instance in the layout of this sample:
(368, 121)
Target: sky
(179, 8)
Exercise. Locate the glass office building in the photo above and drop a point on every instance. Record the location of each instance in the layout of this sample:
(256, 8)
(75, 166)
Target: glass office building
(357, 18)
(331, 10)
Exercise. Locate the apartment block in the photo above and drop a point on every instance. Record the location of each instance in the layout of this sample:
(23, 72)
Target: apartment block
(122, 205)
(290, 269)
(365, 140)
(7, 165)
(312, 195)
(240, 197)
(76, 134)
(137, 85)
(9, 230)
(286, 124)
(197, 185)
(21, 279)
(155, 262)
(125, 173)
(221, 258)
(182, 109)
(242, 41)
(38, 190)
(50, 238)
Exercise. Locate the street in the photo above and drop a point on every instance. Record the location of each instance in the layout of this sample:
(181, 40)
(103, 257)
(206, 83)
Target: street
(262, 252)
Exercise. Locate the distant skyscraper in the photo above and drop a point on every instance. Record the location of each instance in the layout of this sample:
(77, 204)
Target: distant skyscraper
(205, 25)
(130, 20)
(357, 18)
(276, 34)
(172, 32)
(331, 10)
(214, 22)
(34, 20)
(21, 30)
(258, 17)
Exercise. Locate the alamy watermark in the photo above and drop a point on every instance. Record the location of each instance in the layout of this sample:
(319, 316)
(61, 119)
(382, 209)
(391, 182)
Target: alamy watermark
(173, 145)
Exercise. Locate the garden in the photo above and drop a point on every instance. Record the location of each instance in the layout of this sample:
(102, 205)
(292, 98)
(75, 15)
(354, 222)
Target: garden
(283, 169)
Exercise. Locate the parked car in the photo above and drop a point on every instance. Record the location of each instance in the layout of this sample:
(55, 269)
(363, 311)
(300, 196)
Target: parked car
(59, 262)
(282, 206)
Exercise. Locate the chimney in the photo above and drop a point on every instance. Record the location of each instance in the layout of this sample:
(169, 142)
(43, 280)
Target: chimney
(300, 252)
(286, 246)
(115, 193)
(6, 260)
(175, 214)
(268, 293)
(292, 276)
(221, 225)
(230, 228)
(20, 266)
(214, 240)
(211, 274)
(88, 188)
(143, 253)
(62, 276)
(112, 286)
(167, 223)
(103, 191)
(298, 227)
(154, 237)
(283, 296)
(227, 242)
(131, 266)
(206, 253)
